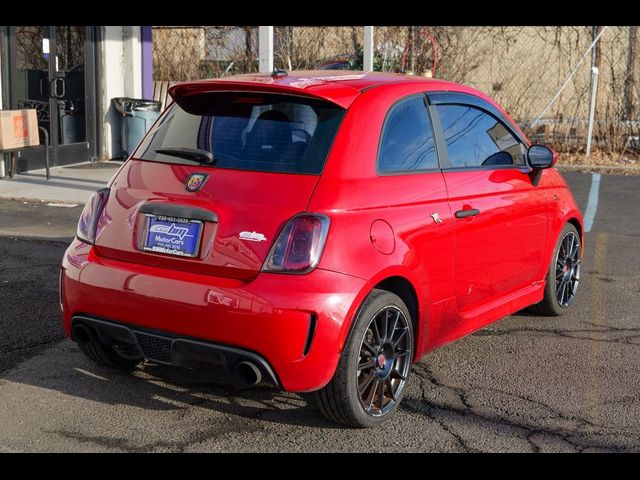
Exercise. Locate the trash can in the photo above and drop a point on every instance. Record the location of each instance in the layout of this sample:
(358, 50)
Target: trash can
(72, 121)
(136, 117)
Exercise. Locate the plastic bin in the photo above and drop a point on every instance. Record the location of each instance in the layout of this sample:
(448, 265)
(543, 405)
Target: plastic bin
(72, 121)
(136, 117)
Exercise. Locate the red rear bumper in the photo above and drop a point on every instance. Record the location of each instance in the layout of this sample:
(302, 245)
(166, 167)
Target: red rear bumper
(269, 315)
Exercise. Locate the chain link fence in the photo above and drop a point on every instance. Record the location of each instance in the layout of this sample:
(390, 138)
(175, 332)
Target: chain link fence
(522, 68)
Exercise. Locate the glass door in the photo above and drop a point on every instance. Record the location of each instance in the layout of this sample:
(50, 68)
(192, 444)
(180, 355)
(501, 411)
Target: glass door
(48, 74)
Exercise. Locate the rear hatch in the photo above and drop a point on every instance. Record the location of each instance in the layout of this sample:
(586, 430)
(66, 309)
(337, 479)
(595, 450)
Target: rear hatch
(214, 181)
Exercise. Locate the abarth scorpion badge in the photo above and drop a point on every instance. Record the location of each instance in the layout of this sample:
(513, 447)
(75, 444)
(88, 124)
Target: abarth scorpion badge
(196, 181)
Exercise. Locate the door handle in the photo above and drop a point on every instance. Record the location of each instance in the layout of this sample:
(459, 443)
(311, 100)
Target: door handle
(472, 212)
(56, 91)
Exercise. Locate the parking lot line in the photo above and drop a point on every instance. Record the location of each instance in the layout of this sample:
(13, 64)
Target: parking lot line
(592, 203)
(597, 297)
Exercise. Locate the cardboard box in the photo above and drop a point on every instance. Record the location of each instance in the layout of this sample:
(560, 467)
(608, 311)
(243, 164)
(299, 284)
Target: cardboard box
(18, 128)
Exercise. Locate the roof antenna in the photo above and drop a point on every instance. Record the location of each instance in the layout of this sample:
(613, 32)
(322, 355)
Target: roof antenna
(278, 72)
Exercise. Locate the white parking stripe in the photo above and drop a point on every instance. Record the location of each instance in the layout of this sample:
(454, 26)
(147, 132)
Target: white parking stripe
(592, 204)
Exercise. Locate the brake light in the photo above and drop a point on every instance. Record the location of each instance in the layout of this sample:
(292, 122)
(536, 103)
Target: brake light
(88, 222)
(299, 246)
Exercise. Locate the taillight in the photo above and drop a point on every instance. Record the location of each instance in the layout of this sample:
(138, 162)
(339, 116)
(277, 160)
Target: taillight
(88, 222)
(299, 246)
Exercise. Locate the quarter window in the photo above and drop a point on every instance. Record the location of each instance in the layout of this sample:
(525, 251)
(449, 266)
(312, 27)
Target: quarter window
(475, 138)
(407, 142)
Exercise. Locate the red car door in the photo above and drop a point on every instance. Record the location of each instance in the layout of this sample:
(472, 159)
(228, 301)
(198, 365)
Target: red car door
(500, 218)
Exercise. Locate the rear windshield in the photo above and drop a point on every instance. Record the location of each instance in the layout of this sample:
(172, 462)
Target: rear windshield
(247, 131)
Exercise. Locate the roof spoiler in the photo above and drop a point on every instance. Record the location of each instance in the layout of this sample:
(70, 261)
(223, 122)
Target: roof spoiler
(333, 92)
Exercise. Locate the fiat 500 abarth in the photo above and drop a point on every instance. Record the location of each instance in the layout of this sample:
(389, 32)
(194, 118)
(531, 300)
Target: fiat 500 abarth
(319, 232)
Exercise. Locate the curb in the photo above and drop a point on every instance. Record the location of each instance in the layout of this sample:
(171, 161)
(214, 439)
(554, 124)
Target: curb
(44, 201)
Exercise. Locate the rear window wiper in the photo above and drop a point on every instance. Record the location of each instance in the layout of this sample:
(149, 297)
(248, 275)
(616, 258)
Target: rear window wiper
(195, 154)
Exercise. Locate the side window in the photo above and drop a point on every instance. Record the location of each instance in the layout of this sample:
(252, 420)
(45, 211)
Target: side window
(407, 142)
(475, 138)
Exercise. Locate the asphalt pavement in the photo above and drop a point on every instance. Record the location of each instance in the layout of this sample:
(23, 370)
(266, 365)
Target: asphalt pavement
(523, 384)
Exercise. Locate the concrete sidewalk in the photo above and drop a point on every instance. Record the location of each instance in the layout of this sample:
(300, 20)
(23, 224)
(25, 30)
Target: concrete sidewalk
(69, 184)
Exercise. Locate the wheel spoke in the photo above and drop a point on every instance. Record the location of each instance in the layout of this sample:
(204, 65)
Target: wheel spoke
(571, 291)
(564, 293)
(370, 348)
(397, 340)
(390, 389)
(569, 246)
(401, 353)
(373, 393)
(367, 383)
(563, 248)
(385, 327)
(376, 332)
(396, 374)
(395, 324)
(367, 365)
(559, 289)
(381, 396)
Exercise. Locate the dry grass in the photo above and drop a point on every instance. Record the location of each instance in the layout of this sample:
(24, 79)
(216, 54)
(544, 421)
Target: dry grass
(598, 159)
(601, 162)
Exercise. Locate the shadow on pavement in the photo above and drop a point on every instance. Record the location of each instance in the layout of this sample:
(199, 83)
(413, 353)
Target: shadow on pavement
(162, 388)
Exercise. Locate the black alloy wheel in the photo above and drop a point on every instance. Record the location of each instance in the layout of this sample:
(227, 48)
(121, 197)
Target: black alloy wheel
(384, 360)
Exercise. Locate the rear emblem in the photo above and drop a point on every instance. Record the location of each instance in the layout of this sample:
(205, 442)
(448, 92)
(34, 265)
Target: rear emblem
(196, 181)
(253, 236)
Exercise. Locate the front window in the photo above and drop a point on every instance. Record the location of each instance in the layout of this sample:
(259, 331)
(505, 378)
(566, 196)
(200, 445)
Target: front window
(475, 138)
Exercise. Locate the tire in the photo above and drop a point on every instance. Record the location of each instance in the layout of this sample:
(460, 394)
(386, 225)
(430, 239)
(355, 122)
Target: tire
(345, 398)
(557, 301)
(108, 356)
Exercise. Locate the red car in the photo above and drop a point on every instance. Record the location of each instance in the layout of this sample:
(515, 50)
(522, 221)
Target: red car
(319, 232)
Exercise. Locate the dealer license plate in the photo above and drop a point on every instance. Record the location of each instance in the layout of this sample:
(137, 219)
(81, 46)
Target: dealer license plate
(173, 235)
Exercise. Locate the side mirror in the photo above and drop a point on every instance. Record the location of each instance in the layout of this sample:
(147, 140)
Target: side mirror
(540, 156)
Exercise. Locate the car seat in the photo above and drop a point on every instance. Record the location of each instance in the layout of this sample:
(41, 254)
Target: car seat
(270, 136)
